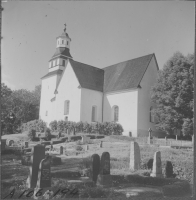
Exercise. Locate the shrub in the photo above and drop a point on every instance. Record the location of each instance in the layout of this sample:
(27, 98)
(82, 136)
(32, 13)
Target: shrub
(38, 125)
(150, 163)
(79, 148)
(169, 170)
(53, 125)
(32, 134)
(47, 134)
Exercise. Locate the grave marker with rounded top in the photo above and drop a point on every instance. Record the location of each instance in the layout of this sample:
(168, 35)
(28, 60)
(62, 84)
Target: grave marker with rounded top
(134, 156)
(95, 166)
(157, 165)
(104, 178)
(44, 175)
(38, 153)
(101, 144)
(105, 163)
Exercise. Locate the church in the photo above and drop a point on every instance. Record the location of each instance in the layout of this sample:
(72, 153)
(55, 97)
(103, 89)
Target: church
(75, 91)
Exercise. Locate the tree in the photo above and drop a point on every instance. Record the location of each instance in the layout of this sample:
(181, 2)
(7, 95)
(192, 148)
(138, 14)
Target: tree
(173, 95)
(18, 106)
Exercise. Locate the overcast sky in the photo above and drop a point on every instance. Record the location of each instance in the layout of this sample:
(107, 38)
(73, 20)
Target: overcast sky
(102, 33)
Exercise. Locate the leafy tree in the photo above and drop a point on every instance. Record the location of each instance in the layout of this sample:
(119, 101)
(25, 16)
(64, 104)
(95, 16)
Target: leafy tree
(18, 106)
(173, 95)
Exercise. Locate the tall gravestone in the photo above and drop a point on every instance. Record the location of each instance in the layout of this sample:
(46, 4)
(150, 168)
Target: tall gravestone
(134, 156)
(101, 144)
(44, 175)
(104, 177)
(157, 165)
(149, 135)
(3, 143)
(95, 166)
(38, 154)
(61, 150)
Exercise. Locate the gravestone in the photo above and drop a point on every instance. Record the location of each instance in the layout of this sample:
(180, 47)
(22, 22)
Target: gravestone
(176, 137)
(87, 147)
(104, 177)
(149, 136)
(157, 166)
(61, 150)
(44, 175)
(26, 144)
(9, 143)
(101, 144)
(134, 156)
(3, 143)
(95, 166)
(38, 153)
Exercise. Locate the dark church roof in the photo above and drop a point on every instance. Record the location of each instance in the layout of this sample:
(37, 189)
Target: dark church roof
(125, 75)
(88, 76)
(61, 51)
(121, 76)
(53, 73)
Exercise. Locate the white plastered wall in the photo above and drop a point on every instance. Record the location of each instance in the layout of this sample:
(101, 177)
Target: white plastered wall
(68, 90)
(127, 103)
(144, 101)
(47, 93)
(90, 98)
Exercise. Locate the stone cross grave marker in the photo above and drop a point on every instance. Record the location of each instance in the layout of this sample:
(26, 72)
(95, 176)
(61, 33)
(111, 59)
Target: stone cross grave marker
(157, 166)
(105, 163)
(134, 156)
(38, 153)
(44, 175)
(95, 166)
(61, 150)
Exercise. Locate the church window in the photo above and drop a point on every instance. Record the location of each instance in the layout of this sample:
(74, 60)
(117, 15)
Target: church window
(66, 107)
(115, 113)
(53, 63)
(63, 62)
(152, 118)
(62, 41)
(94, 114)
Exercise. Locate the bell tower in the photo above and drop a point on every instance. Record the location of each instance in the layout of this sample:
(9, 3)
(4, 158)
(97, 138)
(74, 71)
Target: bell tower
(62, 54)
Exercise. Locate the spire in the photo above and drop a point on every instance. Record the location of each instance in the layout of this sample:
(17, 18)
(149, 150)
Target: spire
(65, 28)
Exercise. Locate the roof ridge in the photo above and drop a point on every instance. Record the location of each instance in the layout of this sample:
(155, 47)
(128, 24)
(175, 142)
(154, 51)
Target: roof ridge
(88, 65)
(128, 60)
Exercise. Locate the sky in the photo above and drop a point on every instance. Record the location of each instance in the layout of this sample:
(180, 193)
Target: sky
(102, 34)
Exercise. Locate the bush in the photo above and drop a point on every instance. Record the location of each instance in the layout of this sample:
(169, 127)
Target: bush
(53, 125)
(169, 170)
(38, 125)
(79, 148)
(32, 134)
(47, 134)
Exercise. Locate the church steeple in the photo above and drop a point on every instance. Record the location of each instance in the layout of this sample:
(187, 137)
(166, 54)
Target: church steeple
(62, 54)
(63, 40)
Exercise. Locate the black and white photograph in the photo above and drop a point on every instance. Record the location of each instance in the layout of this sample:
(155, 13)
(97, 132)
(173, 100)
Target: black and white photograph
(97, 100)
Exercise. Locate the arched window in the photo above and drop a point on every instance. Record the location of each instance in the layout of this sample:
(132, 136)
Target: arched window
(66, 107)
(94, 114)
(63, 62)
(115, 113)
(152, 118)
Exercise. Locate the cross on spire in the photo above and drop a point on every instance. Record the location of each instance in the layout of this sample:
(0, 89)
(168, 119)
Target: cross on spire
(65, 28)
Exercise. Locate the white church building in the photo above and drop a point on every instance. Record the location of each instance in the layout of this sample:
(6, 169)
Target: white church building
(120, 93)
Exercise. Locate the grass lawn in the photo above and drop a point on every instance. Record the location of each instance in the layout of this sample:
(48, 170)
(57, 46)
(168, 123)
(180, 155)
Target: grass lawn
(13, 174)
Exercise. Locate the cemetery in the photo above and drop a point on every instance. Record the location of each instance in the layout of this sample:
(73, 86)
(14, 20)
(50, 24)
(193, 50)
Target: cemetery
(94, 166)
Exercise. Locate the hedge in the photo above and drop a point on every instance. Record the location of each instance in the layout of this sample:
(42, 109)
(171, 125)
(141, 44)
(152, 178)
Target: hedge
(105, 128)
